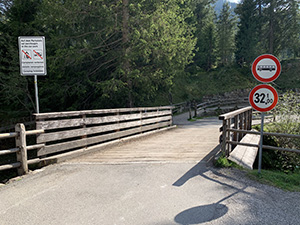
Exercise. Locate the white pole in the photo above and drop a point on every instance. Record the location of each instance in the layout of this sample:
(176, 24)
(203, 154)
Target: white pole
(261, 141)
(36, 95)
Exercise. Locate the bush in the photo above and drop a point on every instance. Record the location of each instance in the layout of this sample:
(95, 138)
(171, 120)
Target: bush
(287, 114)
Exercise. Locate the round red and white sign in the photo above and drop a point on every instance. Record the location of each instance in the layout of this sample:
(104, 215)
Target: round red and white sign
(266, 68)
(263, 98)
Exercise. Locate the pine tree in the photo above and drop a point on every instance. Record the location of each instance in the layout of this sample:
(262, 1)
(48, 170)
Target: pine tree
(247, 37)
(226, 26)
(205, 55)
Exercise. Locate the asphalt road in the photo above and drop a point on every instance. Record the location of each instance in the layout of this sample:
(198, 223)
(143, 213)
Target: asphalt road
(144, 194)
(140, 193)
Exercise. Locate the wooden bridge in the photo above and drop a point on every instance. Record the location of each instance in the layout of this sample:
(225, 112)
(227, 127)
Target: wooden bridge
(118, 136)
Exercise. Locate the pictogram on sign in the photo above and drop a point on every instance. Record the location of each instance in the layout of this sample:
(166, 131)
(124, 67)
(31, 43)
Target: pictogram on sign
(266, 68)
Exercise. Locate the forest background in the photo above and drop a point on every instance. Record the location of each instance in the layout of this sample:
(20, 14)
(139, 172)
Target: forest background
(129, 53)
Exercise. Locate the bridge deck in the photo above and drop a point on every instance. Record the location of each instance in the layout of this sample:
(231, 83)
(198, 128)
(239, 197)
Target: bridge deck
(190, 141)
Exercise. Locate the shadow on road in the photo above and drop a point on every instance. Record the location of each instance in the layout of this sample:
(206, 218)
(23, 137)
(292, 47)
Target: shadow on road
(201, 214)
(209, 212)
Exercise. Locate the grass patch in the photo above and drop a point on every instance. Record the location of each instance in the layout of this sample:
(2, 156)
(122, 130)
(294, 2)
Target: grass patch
(288, 182)
(223, 162)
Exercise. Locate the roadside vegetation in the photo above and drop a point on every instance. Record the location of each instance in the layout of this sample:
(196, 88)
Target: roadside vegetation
(279, 168)
(111, 54)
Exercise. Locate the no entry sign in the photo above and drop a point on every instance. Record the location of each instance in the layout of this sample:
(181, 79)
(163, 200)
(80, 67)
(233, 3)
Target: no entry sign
(266, 68)
(263, 98)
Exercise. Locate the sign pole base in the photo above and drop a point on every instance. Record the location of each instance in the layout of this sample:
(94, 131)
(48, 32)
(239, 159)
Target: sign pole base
(261, 142)
(36, 95)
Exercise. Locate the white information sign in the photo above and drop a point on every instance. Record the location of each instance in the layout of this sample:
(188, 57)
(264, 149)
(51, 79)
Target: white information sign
(32, 53)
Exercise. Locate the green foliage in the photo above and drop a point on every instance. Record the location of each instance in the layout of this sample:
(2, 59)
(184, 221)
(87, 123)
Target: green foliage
(205, 55)
(247, 37)
(287, 121)
(160, 52)
(288, 182)
(16, 91)
(226, 26)
(223, 162)
(217, 81)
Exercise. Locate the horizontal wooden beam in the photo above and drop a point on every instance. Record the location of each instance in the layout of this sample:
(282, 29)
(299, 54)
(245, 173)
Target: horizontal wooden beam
(95, 112)
(55, 124)
(265, 133)
(230, 115)
(34, 132)
(97, 139)
(9, 151)
(264, 146)
(94, 130)
(10, 166)
(8, 135)
(32, 147)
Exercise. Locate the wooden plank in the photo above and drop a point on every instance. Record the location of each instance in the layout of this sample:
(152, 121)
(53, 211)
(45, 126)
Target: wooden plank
(9, 151)
(32, 147)
(234, 113)
(87, 141)
(10, 166)
(93, 130)
(156, 126)
(246, 155)
(8, 135)
(47, 125)
(156, 120)
(34, 132)
(95, 112)
(93, 140)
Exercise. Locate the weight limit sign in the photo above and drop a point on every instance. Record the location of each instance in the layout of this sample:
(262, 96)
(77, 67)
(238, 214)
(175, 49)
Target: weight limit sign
(263, 98)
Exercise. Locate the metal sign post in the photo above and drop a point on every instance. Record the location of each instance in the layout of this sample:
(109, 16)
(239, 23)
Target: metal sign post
(36, 95)
(263, 98)
(261, 141)
(32, 54)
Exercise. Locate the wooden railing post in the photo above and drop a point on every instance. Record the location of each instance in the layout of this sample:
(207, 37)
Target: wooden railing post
(223, 144)
(21, 144)
(190, 110)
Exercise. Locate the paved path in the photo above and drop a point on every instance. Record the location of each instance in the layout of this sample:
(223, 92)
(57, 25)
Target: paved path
(145, 193)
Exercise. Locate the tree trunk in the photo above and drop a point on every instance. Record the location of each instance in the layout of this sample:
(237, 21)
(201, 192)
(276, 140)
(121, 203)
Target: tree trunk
(271, 24)
(126, 50)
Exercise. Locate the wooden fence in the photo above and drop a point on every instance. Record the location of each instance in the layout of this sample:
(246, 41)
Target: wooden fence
(239, 120)
(58, 133)
(20, 149)
(237, 124)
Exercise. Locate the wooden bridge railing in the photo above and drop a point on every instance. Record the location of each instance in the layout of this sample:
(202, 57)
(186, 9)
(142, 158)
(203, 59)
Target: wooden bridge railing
(239, 120)
(237, 124)
(20, 149)
(58, 133)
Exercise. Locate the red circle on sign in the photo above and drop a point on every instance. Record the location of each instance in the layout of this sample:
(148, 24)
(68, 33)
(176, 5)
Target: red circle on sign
(257, 76)
(254, 90)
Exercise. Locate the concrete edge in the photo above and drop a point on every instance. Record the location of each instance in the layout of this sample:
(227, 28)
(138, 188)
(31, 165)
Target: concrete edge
(70, 155)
